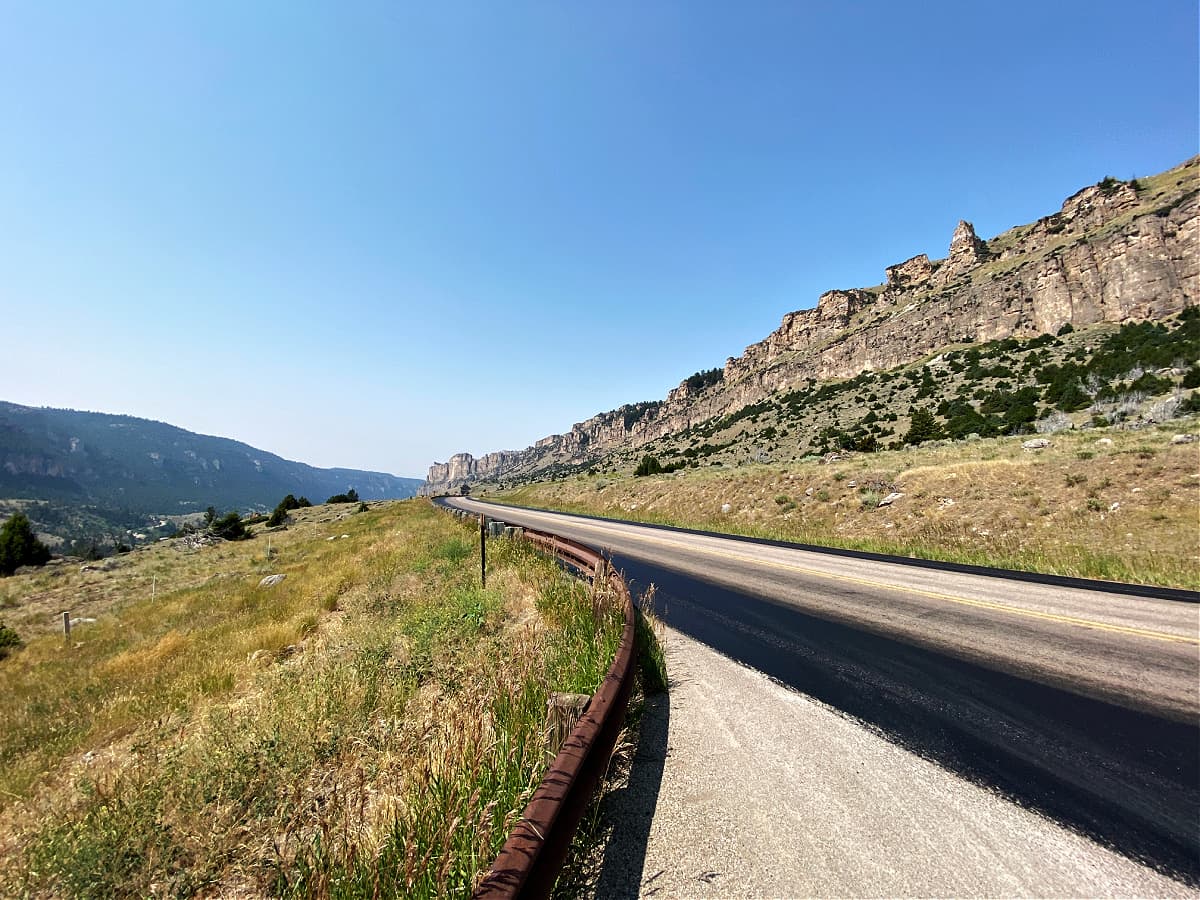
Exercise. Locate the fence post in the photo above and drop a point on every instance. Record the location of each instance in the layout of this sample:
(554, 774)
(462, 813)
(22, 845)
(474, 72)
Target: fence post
(483, 550)
(66, 626)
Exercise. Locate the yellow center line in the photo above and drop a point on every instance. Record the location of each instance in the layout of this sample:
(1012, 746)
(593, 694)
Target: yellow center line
(933, 595)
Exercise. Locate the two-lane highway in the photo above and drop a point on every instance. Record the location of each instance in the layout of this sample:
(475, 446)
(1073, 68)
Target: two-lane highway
(1079, 704)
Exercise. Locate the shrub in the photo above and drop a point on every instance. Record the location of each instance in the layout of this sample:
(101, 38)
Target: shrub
(1066, 329)
(648, 466)
(704, 379)
(351, 496)
(230, 527)
(288, 503)
(9, 640)
(1151, 384)
(19, 546)
(1190, 405)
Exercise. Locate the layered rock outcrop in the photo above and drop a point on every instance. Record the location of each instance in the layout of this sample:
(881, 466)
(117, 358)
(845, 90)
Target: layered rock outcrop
(1116, 251)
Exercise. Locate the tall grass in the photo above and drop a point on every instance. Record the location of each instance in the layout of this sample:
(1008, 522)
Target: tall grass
(381, 744)
(1078, 508)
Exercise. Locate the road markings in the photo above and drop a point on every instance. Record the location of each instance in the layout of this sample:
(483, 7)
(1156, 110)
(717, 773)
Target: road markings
(933, 595)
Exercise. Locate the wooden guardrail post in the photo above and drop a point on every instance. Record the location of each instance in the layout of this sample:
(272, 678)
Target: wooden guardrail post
(563, 712)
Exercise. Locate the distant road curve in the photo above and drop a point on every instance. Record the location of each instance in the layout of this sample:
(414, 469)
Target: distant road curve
(1079, 703)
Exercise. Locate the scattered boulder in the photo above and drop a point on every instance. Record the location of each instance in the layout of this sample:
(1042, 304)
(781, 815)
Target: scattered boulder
(1183, 439)
(1035, 444)
(271, 580)
(945, 502)
(891, 498)
(725, 508)
(852, 483)
(197, 541)
(1105, 442)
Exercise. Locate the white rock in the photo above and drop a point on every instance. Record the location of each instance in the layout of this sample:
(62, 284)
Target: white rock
(271, 580)
(891, 498)
(345, 535)
(1035, 444)
(1183, 439)
(852, 483)
(725, 507)
(1114, 506)
(1106, 442)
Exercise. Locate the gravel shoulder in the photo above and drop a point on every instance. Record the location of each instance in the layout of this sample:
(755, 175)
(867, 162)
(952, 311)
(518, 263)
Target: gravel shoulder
(744, 788)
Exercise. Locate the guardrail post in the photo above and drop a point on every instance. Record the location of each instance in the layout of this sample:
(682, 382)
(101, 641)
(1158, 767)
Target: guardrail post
(483, 550)
(563, 712)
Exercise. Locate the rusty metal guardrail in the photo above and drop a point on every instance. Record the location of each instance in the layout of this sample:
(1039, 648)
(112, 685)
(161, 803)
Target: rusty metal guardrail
(530, 860)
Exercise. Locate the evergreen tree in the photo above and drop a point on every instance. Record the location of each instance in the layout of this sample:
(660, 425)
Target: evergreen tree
(648, 466)
(924, 427)
(19, 546)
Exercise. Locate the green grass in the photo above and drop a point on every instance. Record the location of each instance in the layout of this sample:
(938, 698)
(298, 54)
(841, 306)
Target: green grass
(382, 743)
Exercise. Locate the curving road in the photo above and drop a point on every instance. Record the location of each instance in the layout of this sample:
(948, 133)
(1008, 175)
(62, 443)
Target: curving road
(1079, 705)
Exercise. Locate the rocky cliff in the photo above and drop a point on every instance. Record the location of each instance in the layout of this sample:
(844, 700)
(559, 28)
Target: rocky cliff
(1115, 251)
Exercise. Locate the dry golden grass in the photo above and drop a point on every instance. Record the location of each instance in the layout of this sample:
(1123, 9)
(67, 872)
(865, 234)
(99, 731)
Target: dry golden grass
(370, 725)
(1104, 503)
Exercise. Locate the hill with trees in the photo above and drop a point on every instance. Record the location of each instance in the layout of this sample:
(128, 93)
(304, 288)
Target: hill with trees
(76, 473)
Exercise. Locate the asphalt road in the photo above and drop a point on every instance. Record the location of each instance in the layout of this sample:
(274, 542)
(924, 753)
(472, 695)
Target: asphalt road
(1081, 706)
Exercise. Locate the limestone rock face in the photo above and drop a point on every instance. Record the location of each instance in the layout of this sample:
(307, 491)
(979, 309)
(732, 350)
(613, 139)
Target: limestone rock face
(1110, 254)
(966, 252)
(909, 274)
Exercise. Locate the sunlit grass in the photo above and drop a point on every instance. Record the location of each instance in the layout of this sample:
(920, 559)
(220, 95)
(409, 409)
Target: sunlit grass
(1108, 504)
(372, 725)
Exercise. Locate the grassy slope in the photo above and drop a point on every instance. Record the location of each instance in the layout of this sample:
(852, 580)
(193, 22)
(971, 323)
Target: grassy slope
(1049, 511)
(371, 724)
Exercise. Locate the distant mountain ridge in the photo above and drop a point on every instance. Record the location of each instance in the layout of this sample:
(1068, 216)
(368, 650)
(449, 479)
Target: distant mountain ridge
(1116, 251)
(118, 462)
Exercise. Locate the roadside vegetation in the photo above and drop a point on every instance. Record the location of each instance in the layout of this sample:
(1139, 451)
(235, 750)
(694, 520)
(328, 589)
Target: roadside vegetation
(1101, 503)
(371, 725)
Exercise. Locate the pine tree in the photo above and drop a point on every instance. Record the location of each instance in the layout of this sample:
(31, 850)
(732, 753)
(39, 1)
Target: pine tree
(924, 427)
(19, 546)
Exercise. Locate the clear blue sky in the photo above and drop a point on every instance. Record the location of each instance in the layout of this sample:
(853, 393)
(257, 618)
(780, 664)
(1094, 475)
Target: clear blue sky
(373, 235)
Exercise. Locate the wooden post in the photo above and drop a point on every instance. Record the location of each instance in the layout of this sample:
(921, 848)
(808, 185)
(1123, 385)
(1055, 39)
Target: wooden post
(67, 626)
(483, 550)
(563, 712)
